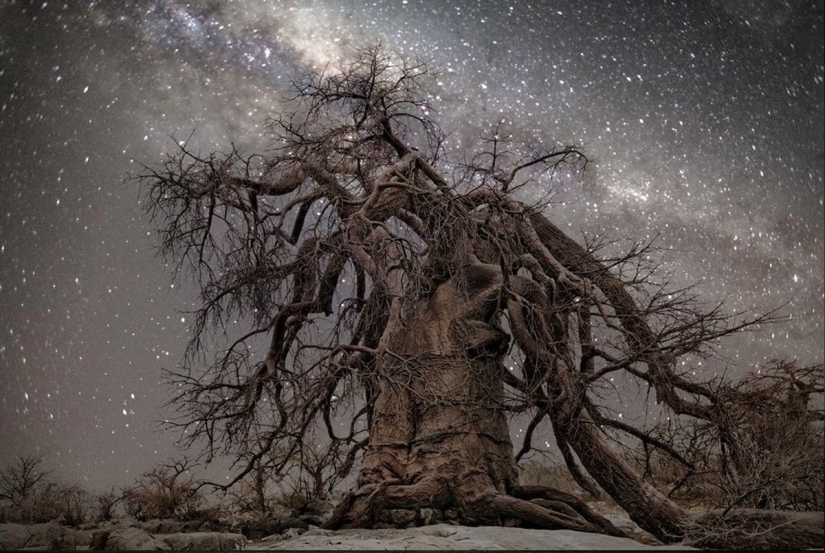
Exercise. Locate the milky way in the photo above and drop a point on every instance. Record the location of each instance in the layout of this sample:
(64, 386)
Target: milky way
(705, 120)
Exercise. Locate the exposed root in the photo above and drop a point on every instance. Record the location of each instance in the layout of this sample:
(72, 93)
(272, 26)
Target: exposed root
(542, 493)
(390, 504)
(551, 515)
(362, 507)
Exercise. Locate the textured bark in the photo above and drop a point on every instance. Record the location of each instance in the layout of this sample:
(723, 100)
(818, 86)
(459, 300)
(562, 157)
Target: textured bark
(440, 446)
(354, 183)
(645, 505)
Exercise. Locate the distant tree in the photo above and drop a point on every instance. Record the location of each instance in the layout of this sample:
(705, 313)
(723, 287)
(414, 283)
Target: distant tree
(72, 503)
(311, 474)
(19, 480)
(105, 503)
(253, 494)
(166, 491)
(33, 497)
(359, 272)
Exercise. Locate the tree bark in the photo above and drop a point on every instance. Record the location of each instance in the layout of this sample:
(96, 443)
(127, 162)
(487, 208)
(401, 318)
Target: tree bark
(645, 505)
(440, 448)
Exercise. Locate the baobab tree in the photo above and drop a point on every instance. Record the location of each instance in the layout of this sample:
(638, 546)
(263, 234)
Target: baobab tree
(375, 279)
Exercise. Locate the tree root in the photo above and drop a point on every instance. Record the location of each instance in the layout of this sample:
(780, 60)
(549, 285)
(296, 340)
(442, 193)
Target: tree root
(543, 493)
(551, 515)
(391, 504)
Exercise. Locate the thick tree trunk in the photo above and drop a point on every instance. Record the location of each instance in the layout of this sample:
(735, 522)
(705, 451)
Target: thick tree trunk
(440, 448)
(437, 439)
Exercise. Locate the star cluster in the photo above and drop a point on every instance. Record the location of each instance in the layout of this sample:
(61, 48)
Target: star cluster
(705, 120)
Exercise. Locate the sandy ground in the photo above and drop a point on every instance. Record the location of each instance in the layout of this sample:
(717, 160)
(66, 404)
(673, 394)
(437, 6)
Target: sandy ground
(446, 537)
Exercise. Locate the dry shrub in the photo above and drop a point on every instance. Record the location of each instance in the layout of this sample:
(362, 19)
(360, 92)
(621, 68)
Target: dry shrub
(312, 473)
(765, 450)
(165, 492)
(73, 504)
(52, 501)
(291, 479)
(21, 479)
(31, 497)
(252, 496)
(754, 530)
(104, 504)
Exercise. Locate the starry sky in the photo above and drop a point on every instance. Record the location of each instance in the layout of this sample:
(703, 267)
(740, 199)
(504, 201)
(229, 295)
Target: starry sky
(705, 119)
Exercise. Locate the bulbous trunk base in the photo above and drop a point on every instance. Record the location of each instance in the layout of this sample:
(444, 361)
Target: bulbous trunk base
(440, 452)
(440, 448)
(470, 502)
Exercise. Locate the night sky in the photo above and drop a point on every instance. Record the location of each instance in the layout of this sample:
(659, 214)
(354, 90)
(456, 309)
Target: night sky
(705, 119)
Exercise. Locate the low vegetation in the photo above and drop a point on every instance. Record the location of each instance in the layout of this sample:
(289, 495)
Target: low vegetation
(766, 450)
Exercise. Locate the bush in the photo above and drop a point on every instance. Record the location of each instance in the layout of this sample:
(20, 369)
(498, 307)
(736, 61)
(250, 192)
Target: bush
(164, 492)
(52, 501)
(31, 497)
(21, 479)
(252, 494)
(311, 474)
(765, 450)
(73, 505)
(105, 503)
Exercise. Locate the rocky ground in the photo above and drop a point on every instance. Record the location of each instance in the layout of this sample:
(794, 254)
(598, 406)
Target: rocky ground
(298, 530)
(446, 537)
(438, 537)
